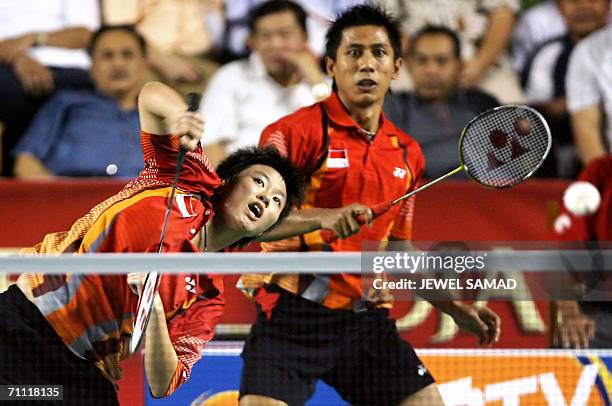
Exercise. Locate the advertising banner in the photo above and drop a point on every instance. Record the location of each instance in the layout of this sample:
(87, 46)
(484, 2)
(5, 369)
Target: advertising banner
(465, 377)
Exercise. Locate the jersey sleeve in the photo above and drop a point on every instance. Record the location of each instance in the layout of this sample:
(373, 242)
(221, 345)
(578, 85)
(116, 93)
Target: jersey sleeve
(191, 330)
(300, 143)
(160, 156)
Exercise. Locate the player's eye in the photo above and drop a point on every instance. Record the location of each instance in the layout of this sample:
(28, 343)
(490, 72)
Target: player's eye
(354, 52)
(259, 181)
(277, 201)
(380, 52)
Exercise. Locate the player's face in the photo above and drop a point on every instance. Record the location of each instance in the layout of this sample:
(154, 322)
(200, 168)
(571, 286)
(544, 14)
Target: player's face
(584, 16)
(255, 201)
(434, 67)
(364, 65)
(276, 38)
(118, 63)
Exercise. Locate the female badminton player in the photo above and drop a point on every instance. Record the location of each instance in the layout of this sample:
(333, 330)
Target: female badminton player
(73, 329)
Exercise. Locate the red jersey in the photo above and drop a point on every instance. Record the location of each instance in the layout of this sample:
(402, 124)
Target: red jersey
(93, 314)
(598, 226)
(345, 167)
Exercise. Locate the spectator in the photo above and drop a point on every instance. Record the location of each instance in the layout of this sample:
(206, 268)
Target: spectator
(484, 28)
(535, 26)
(41, 50)
(587, 324)
(319, 15)
(280, 76)
(438, 109)
(91, 133)
(544, 76)
(180, 36)
(589, 94)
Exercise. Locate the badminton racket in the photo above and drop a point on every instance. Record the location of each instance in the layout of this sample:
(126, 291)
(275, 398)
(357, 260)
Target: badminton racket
(499, 148)
(152, 280)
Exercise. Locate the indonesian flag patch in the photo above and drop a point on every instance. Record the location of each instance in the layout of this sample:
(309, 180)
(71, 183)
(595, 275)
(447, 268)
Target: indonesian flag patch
(337, 158)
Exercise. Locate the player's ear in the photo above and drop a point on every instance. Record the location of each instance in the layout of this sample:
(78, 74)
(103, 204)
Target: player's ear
(329, 66)
(399, 62)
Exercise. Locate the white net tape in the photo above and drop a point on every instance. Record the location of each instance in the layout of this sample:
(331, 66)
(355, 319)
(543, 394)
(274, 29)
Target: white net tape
(292, 262)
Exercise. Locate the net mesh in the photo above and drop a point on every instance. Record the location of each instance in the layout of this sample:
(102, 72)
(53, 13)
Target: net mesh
(503, 146)
(464, 376)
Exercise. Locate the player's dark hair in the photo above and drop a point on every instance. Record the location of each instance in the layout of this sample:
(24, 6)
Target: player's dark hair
(277, 6)
(235, 163)
(436, 30)
(142, 44)
(362, 14)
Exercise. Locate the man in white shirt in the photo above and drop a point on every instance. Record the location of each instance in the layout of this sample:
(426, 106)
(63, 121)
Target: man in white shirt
(545, 72)
(589, 94)
(280, 76)
(42, 48)
(319, 14)
(535, 26)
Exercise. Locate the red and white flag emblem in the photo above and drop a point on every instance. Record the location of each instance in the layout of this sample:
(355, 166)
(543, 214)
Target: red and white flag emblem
(337, 158)
(183, 202)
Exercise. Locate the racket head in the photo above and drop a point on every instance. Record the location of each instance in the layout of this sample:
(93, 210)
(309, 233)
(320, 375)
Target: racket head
(505, 145)
(143, 309)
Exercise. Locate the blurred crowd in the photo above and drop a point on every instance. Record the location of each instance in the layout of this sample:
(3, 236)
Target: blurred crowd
(71, 70)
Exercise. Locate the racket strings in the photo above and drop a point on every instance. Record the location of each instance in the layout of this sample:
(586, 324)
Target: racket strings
(505, 146)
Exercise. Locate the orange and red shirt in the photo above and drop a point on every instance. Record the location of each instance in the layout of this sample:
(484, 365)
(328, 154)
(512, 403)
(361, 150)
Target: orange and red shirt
(93, 314)
(345, 167)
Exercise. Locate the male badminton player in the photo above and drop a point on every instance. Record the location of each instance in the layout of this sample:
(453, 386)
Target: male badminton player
(73, 329)
(317, 327)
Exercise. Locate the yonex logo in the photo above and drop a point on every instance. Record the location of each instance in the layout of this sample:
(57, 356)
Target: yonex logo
(190, 287)
(501, 140)
(399, 173)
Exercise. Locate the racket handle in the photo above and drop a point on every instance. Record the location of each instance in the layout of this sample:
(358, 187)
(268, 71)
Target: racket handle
(193, 102)
(328, 236)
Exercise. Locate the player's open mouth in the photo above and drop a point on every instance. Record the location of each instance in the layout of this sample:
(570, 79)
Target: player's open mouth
(366, 84)
(255, 211)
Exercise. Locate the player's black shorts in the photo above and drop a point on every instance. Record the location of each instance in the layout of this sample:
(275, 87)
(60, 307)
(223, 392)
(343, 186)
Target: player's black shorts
(31, 353)
(361, 355)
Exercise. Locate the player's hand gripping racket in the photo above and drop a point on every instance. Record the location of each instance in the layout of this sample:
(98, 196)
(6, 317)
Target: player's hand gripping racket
(151, 283)
(498, 148)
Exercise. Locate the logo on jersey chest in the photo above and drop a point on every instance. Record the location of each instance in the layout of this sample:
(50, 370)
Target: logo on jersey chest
(337, 158)
(399, 173)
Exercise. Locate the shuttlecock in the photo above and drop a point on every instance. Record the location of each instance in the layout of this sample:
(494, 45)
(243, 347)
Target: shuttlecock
(581, 198)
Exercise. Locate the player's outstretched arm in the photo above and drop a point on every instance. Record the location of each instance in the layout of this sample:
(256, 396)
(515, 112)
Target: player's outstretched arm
(161, 359)
(163, 111)
(342, 220)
